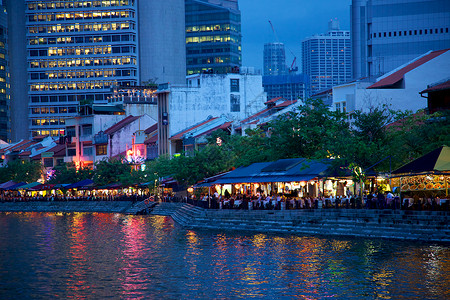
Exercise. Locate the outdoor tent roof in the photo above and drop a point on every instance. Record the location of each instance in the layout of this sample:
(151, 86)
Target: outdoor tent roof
(283, 170)
(79, 184)
(16, 186)
(7, 184)
(437, 160)
(29, 185)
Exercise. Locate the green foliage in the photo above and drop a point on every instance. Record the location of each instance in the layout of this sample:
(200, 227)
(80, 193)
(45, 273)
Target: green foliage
(67, 173)
(310, 131)
(21, 171)
(112, 171)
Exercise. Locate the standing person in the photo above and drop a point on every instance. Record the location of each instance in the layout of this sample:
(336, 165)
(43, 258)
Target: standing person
(389, 199)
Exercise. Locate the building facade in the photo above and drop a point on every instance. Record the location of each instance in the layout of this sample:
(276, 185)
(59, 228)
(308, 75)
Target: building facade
(399, 89)
(69, 53)
(5, 117)
(274, 59)
(213, 36)
(234, 96)
(326, 58)
(76, 51)
(288, 86)
(388, 34)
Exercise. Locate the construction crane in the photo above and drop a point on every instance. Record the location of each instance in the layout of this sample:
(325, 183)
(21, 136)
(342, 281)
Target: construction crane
(293, 67)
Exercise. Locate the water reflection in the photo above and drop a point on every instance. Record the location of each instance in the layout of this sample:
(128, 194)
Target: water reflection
(71, 255)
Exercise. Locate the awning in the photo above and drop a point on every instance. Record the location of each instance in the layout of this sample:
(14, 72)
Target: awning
(29, 185)
(43, 187)
(16, 186)
(79, 184)
(437, 160)
(7, 184)
(263, 179)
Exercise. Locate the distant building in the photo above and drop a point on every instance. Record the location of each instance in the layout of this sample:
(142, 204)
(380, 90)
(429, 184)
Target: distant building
(387, 34)
(234, 96)
(5, 100)
(399, 89)
(289, 86)
(213, 36)
(69, 53)
(327, 58)
(274, 59)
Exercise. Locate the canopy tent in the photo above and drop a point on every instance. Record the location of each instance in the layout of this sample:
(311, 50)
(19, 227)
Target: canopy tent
(283, 170)
(436, 161)
(43, 187)
(80, 184)
(16, 186)
(6, 185)
(29, 185)
(429, 173)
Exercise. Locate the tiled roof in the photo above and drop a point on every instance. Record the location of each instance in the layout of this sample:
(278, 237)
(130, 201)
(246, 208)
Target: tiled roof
(323, 92)
(223, 126)
(256, 115)
(151, 140)
(180, 134)
(119, 125)
(273, 100)
(286, 103)
(151, 129)
(14, 146)
(438, 87)
(398, 75)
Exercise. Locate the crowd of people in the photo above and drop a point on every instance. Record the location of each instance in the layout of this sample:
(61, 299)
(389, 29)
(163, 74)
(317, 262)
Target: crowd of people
(280, 201)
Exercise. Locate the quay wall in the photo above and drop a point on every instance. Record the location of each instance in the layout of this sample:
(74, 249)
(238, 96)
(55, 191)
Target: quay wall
(429, 226)
(67, 206)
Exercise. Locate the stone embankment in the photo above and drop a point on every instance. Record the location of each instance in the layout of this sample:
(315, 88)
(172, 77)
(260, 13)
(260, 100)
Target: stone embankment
(124, 207)
(432, 226)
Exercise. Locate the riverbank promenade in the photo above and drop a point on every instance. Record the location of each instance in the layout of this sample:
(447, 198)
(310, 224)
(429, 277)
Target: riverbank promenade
(428, 226)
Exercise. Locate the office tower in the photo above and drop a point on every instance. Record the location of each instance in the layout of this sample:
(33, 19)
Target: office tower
(388, 34)
(162, 48)
(73, 52)
(274, 59)
(77, 50)
(5, 124)
(213, 36)
(327, 58)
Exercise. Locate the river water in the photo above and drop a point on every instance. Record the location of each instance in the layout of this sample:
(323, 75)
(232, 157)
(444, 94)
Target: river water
(98, 256)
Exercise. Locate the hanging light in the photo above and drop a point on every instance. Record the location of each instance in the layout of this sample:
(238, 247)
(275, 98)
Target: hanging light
(302, 183)
(190, 190)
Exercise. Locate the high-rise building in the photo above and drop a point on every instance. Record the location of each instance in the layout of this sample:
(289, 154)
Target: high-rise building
(326, 58)
(274, 59)
(388, 34)
(213, 36)
(5, 122)
(73, 52)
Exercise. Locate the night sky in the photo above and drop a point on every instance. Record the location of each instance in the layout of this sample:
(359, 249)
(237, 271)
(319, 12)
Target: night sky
(293, 21)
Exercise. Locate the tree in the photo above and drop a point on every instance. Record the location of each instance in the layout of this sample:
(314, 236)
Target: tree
(111, 171)
(306, 132)
(67, 173)
(21, 171)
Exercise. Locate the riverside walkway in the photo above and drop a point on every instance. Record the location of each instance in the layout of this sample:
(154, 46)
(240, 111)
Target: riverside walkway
(429, 226)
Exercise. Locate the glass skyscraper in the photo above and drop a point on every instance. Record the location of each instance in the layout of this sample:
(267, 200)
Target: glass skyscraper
(76, 51)
(388, 34)
(274, 59)
(5, 122)
(213, 36)
(326, 58)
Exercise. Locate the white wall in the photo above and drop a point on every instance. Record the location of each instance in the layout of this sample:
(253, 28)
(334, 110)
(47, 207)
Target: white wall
(190, 105)
(407, 98)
